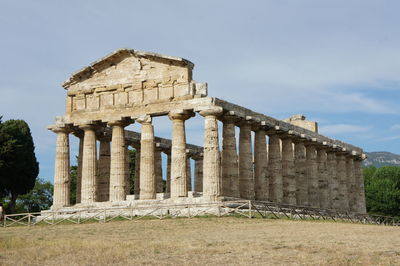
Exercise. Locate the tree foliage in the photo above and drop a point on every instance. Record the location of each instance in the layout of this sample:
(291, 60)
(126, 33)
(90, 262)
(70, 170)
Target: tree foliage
(382, 190)
(39, 198)
(18, 165)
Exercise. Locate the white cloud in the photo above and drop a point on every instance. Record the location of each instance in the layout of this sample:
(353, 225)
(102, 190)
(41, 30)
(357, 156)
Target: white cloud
(389, 138)
(339, 129)
(395, 127)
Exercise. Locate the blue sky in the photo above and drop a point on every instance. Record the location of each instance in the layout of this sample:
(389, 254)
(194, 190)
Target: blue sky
(337, 62)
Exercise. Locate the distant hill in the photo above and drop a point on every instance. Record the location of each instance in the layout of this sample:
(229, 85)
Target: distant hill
(381, 158)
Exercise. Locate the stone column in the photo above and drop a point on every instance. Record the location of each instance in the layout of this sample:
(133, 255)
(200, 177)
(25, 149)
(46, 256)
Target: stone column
(178, 154)
(158, 170)
(342, 177)
(188, 173)
(211, 160)
(61, 169)
(103, 168)
(350, 183)
(288, 171)
(359, 185)
(137, 172)
(198, 172)
(127, 171)
(229, 163)
(300, 172)
(323, 193)
(312, 174)
(89, 161)
(260, 165)
(118, 160)
(246, 178)
(275, 168)
(147, 174)
(168, 180)
(333, 180)
(79, 134)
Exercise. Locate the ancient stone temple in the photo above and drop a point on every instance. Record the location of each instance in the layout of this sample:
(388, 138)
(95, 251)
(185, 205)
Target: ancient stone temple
(279, 161)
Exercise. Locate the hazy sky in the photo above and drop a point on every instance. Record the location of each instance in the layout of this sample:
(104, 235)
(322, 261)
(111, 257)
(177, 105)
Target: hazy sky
(337, 62)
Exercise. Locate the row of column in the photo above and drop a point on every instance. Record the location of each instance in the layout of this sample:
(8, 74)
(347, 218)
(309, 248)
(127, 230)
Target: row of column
(93, 184)
(292, 170)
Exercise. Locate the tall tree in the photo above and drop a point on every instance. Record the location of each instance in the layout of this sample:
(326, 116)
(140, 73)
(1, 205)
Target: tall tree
(6, 153)
(19, 167)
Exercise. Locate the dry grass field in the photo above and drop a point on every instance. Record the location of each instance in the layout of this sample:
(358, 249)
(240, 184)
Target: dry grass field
(202, 241)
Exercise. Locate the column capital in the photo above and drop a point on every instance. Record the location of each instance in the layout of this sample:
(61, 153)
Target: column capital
(144, 119)
(311, 142)
(299, 139)
(276, 130)
(229, 118)
(211, 111)
(361, 157)
(242, 123)
(180, 114)
(332, 149)
(322, 146)
(88, 126)
(60, 129)
(121, 123)
(288, 135)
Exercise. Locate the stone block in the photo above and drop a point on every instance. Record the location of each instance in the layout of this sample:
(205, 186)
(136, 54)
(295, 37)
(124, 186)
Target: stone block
(135, 96)
(121, 98)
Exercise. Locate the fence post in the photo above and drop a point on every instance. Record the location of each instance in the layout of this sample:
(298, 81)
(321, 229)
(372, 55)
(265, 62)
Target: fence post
(250, 214)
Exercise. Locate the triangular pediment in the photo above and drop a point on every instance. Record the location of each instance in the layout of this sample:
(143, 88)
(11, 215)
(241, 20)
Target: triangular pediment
(126, 66)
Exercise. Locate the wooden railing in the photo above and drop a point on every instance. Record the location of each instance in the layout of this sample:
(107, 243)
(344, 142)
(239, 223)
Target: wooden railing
(244, 208)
